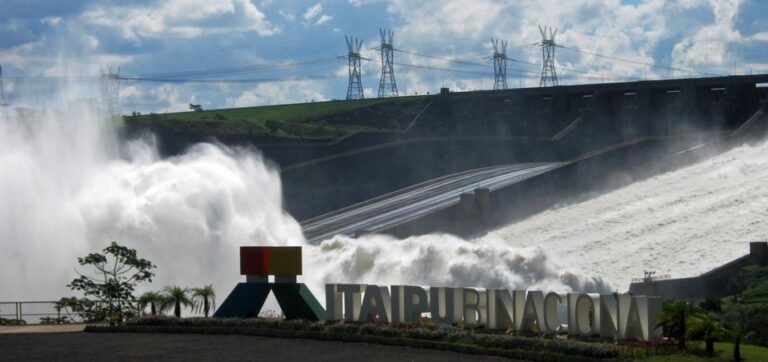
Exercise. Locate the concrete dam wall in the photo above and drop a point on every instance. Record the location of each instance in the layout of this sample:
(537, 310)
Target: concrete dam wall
(716, 283)
(462, 131)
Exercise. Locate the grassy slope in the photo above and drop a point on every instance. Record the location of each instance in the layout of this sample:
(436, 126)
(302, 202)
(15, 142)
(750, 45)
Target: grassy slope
(723, 352)
(283, 112)
(301, 120)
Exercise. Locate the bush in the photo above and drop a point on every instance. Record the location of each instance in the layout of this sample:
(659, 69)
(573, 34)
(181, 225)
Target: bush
(418, 335)
(55, 320)
(12, 322)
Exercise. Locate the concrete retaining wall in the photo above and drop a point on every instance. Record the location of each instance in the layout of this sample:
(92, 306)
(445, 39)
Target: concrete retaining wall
(716, 283)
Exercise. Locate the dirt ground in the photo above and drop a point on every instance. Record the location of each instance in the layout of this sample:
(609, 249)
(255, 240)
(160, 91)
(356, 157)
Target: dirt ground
(76, 346)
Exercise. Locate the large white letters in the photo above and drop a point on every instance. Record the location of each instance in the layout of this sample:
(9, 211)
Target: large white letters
(446, 305)
(619, 316)
(376, 304)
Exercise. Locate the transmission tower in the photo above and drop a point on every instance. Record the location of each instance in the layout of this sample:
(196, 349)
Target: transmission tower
(355, 88)
(387, 84)
(110, 92)
(499, 63)
(548, 73)
(2, 90)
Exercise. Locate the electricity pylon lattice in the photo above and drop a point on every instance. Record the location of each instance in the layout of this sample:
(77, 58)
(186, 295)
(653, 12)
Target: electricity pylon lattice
(387, 84)
(355, 87)
(110, 92)
(2, 89)
(548, 45)
(499, 63)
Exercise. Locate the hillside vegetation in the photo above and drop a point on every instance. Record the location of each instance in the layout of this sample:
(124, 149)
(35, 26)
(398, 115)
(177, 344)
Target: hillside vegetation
(320, 120)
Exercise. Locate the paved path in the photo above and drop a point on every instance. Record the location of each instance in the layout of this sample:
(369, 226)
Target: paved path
(199, 347)
(42, 328)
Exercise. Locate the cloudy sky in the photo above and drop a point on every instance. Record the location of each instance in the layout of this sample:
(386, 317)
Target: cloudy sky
(270, 52)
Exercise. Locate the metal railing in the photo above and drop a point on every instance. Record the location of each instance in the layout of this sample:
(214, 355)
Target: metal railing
(32, 311)
(648, 279)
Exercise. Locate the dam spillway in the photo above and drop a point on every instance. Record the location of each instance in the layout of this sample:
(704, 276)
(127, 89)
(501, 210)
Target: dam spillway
(390, 210)
(455, 132)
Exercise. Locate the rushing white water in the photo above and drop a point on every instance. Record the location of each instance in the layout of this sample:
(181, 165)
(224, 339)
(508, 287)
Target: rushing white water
(66, 193)
(69, 187)
(680, 223)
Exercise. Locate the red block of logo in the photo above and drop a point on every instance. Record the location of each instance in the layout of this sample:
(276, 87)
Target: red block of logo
(254, 260)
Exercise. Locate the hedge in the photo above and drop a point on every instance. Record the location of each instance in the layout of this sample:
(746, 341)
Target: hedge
(453, 339)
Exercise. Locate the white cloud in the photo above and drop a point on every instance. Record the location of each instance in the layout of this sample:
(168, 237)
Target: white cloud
(90, 42)
(323, 19)
(286, 15)
(282, 92)
(12, 24)
(19, 56)
(359, 3)
(313, 11)
(171, 100)
(131, 92)
(51, 20)
(629, 31)
(314, 15)
(182, 18)
(709, 46)
(762, 36)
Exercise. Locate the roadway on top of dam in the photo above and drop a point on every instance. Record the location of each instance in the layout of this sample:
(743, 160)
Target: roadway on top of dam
(408, 204)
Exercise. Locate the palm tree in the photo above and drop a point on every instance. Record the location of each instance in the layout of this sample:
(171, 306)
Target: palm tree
(204, 298)
(673, 319)
(177, 297)
(706, 327)
(153, 299)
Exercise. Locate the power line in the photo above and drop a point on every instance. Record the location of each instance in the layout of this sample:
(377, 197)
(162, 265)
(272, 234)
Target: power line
(451, 70)
(457, 61)
(588, 72)
(236, 70)
(633, 61)
(228, 81)
(455, 70)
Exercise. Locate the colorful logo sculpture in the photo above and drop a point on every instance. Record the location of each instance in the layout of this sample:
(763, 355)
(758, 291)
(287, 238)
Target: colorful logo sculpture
(257, 263)
(610, 316)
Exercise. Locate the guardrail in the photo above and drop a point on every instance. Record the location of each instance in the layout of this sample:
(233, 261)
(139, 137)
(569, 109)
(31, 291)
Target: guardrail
(651, 279)
(31, 311)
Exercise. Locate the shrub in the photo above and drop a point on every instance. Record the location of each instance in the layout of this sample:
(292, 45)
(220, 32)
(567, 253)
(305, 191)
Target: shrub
(418, 335)
(12, 322)
(55, 320)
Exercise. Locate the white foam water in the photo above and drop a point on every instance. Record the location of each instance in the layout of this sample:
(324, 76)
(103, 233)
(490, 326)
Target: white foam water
(66, 191)
(681, 223)
(69, 187)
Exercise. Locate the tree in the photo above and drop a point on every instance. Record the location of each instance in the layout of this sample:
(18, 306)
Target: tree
(673, 319)
(204, 299)
(707, 327)
(196, 107)
(177, 297)
(108, 293)
(151, 299)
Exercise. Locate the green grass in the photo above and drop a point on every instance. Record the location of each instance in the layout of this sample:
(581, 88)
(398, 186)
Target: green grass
(723, 352)
(283, 112)
(331, 119)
